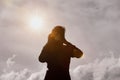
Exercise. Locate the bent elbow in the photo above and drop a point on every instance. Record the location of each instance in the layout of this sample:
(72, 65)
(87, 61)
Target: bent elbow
(80, 55)
(41, 60)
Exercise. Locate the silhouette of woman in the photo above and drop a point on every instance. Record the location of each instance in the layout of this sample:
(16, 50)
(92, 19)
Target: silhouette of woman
(57, 54)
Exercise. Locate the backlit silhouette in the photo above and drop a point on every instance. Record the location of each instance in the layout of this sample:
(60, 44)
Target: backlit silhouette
(57, 54)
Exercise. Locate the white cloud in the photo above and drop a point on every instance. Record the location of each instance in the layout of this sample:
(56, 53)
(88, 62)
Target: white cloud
(38, 75)
(10, 62)
(24, 74)
(13, 75)
(105, 69)
(8, 76)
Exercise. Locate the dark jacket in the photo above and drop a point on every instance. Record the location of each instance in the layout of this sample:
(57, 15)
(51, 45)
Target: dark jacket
(57, 55)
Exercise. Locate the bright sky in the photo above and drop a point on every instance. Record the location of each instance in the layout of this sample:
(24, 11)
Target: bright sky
(91, 25)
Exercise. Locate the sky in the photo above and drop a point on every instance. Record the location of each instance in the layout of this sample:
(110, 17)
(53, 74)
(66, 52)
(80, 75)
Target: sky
(91, 25)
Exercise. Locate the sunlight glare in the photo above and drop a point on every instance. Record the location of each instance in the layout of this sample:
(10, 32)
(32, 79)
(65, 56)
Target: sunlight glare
(36, 22)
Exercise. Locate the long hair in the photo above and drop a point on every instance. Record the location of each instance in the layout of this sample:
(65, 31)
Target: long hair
(60, 30)
(57, 30)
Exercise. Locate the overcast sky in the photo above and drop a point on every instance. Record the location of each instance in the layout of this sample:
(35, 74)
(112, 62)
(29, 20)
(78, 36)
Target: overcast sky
(91, 25)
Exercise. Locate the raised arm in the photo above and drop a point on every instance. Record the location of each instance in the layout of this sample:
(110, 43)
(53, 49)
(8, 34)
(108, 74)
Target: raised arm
(77, 53)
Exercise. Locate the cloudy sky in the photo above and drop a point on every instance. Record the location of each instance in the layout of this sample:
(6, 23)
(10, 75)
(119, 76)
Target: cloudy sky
(91, 25)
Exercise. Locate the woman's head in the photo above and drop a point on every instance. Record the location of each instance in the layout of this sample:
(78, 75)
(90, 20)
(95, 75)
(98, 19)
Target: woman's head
(58, 32)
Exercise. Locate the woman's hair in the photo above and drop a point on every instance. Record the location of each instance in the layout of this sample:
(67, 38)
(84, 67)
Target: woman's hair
(60, 30)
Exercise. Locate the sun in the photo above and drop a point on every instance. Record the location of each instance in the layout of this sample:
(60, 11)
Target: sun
(36, 22)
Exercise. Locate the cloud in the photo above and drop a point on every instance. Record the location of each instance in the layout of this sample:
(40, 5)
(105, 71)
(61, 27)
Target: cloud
(113, 74)
(87, 22)
(10, 62)
(13, 75)
(24, 74)
(106, 69)
(38, 75)
(90, 9)
(97, 20)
